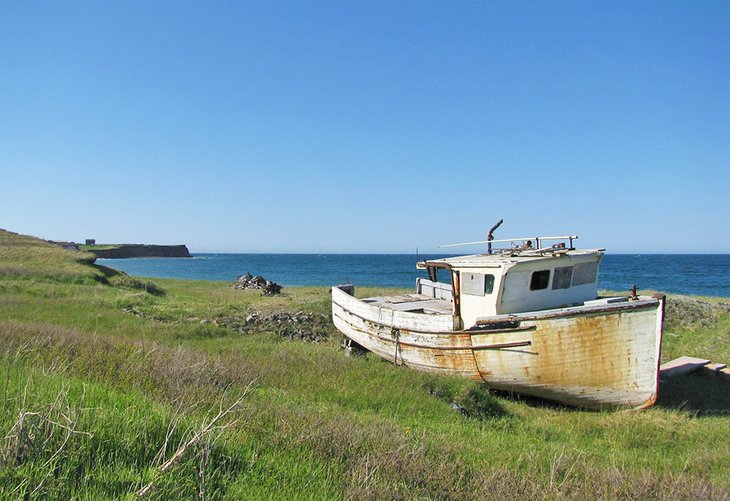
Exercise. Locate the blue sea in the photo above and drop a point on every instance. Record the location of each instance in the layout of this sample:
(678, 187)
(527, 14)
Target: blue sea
(707, 275)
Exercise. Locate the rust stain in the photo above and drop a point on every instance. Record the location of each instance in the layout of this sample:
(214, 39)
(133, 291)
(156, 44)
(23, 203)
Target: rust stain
(574, 359)
(579, 360)
(581, 351)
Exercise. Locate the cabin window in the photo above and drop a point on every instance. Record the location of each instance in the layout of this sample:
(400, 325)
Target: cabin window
(477, 284)
(539, 280)
(585, 273)
(562, 276)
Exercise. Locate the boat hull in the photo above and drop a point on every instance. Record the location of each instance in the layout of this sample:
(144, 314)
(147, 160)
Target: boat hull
(594, 357)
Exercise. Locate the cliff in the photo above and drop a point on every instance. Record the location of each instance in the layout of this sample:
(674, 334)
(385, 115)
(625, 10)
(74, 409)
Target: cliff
(137, 250)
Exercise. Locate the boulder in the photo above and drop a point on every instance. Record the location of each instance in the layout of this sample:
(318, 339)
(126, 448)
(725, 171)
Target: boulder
(257, 282)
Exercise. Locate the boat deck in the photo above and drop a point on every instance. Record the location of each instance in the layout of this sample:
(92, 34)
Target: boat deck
(413, 303)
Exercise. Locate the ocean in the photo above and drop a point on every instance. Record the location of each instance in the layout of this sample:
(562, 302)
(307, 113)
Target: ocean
(698, 274)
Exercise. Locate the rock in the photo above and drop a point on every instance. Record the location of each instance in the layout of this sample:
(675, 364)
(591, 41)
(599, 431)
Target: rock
(458, 408)
(301, 326)
(258, 282)
(271, 289)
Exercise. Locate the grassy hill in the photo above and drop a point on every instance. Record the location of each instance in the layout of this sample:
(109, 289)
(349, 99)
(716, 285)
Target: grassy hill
(111, 385)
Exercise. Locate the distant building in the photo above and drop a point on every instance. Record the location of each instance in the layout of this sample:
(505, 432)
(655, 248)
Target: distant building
(90, 241)
(67, 245)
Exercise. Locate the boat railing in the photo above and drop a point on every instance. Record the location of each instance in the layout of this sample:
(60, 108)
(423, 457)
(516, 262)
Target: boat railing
(525, 245)
(346, 288)
(436, 290)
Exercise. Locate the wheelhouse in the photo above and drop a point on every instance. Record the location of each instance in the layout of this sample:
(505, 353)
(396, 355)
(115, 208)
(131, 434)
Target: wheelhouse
(519, 279)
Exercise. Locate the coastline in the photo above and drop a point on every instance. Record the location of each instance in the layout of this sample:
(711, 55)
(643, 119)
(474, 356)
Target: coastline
(114, 368)
(702, 275)
(128, 251)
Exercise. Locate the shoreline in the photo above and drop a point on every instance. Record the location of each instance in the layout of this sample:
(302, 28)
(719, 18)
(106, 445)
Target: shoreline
(129, 251)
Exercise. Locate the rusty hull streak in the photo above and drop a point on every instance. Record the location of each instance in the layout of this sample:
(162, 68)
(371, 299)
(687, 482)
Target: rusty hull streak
(586, 361)
(382, 342)
(496, 346)
(593, 358)
(580, 341)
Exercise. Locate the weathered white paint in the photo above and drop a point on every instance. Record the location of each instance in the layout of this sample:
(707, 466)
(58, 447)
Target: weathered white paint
(478, 306)
(513, 272)
(516, 295)
(436, 290)
(602, 355)
(390, 317)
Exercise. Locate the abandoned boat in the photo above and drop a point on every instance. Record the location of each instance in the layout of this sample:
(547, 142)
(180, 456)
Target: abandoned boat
(525, 319)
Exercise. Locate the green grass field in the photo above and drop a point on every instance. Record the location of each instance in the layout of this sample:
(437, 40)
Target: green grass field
(111, 385)
(89, 248)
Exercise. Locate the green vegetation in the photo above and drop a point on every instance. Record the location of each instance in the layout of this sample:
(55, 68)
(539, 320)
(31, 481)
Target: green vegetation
(91, 248)
(105, 377)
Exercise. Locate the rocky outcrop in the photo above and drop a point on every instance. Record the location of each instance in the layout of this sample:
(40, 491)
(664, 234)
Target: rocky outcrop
(249, 281)
(141, 250)
(300, 326)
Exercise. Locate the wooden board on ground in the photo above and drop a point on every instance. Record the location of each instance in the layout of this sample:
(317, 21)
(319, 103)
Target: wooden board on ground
(681, 365)
(716, 368)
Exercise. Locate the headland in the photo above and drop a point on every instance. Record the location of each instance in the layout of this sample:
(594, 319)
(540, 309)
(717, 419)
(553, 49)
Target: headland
(122, 251)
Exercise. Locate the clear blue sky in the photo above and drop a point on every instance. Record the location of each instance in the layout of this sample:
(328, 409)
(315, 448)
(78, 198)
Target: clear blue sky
(372, 126)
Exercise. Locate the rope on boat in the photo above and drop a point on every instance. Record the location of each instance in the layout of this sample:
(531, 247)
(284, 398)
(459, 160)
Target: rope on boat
(396, 334)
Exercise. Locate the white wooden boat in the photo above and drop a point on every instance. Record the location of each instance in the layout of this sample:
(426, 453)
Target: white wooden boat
(525, 319)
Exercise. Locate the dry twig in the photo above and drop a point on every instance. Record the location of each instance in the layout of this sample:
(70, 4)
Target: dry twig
(204, 431)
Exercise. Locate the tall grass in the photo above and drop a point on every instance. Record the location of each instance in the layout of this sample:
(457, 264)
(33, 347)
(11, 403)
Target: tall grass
(123, 423)
(108, 380)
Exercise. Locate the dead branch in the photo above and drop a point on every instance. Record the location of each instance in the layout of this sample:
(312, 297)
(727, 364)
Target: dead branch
(204, 430)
